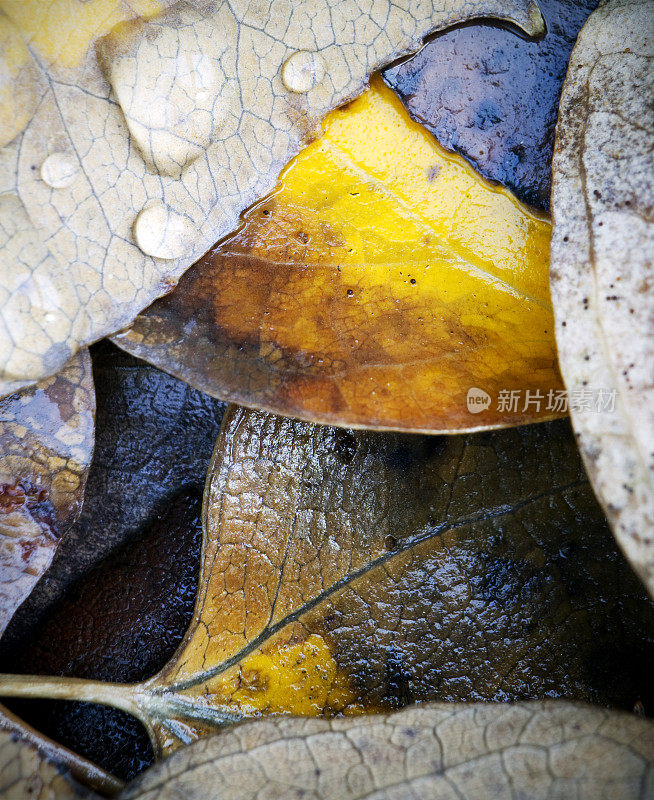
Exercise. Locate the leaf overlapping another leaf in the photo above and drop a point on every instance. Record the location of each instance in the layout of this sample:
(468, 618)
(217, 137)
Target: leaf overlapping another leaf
(348, 572)
(380, 282)
(603, 264)
(142, 147)
(493, 97)
(445, 751)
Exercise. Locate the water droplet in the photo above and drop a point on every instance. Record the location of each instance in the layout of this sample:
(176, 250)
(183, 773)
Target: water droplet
(59, 170)
(166, 76)
(161, 232)
(302, 71)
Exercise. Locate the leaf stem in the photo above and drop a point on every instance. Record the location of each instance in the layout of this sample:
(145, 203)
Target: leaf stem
(118, 695)
(138, 699)
(128, 697)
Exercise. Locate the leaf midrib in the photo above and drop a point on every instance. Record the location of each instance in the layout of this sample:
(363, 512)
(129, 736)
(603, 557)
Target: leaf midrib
(271, 630)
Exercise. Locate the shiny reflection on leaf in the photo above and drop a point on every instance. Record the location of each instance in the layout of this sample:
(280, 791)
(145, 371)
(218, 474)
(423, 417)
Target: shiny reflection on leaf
(380, 282)
(346, 572)
(493, 97)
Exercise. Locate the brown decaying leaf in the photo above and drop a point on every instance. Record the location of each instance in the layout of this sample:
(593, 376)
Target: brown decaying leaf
(34, 767)
(379, 283)
(46, 445)
(433, 752)
(348, 572)
(602, 270)
(141, 141)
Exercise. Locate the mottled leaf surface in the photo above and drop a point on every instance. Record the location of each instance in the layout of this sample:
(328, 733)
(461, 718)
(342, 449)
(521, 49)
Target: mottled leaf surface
(493, 97)
(349, 572)
(143, 139)
(434, 752)
(603, 264)
(46, 445)
(380, 282)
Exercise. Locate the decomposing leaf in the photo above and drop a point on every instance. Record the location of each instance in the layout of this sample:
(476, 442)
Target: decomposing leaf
(33, 766)
(154, 439)
(603, 265)
(146, 140)
(439, 751)
(349, 572)
(121, 621)
(493, 97)
(46, 444)
(377, 285)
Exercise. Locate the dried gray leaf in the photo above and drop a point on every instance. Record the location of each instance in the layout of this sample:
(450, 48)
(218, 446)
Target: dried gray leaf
(602, 270)
(445, 751)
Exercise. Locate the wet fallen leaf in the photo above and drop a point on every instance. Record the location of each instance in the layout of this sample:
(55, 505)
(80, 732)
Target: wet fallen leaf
(493, 97)
(380, 282)
(139, 141)
(154, 439)
(33, 766)
(444, 751)
(349, 572)
(603, 265)
(46, 444)
(121, 621)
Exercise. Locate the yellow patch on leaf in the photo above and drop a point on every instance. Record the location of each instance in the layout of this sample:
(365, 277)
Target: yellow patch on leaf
(63, 30)
(381, 281)
(300, 678)
(345, 573)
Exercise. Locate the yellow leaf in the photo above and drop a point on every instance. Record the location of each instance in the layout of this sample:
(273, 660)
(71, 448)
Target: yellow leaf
(381, 281)
(63, 30)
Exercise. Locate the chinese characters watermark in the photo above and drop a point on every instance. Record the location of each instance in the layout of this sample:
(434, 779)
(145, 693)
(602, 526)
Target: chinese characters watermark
(558, 401)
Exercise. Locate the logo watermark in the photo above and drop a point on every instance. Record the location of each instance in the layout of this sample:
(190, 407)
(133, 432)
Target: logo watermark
(477, 400)
(558, 401)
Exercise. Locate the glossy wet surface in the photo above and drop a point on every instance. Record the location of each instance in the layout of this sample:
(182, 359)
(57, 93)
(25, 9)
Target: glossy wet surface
(154, 439)
(458, 577)
(122, 620)
(492, 96)
(380, 281)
